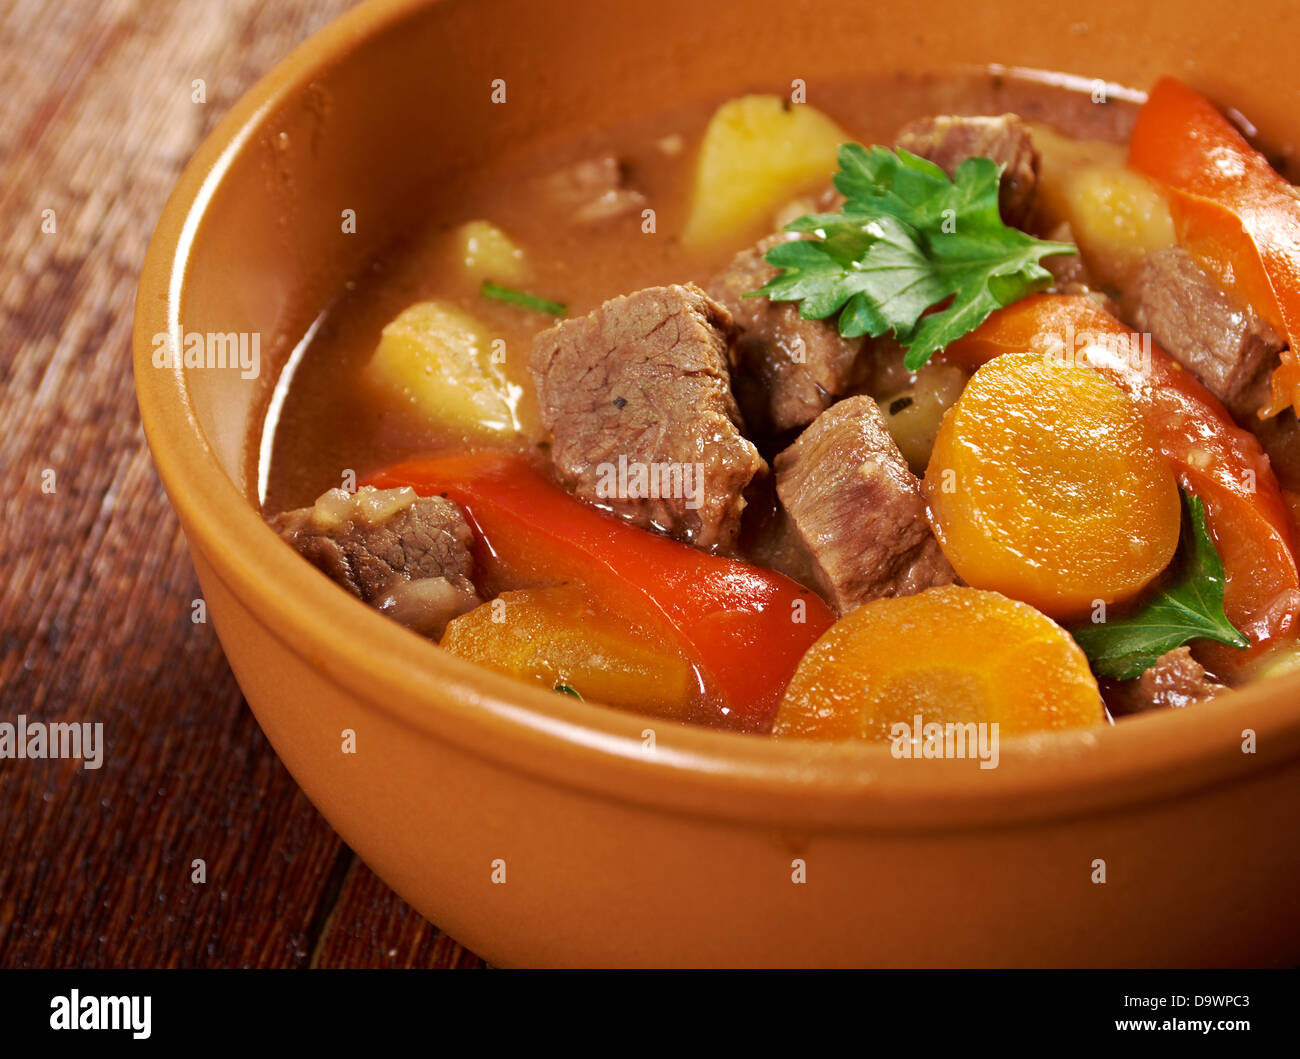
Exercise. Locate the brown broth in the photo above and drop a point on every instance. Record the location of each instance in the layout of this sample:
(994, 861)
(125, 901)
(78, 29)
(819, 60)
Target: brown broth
(328, 422)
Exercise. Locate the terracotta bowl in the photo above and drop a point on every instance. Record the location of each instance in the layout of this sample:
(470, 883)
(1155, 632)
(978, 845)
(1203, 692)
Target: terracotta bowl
(686, 853)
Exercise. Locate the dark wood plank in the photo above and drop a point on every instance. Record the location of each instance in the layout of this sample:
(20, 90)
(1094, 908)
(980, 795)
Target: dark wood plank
(95, 585)
(372, 927)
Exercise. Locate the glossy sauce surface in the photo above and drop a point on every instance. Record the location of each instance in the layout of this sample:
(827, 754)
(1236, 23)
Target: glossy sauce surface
(329, 421)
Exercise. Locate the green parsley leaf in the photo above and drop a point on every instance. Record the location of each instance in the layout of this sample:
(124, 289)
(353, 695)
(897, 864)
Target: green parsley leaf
(908, 241)
(564, 689)
(522, 298)
(1190, 608)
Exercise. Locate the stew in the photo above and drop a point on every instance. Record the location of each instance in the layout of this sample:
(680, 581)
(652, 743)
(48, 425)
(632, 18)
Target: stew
(966, 397)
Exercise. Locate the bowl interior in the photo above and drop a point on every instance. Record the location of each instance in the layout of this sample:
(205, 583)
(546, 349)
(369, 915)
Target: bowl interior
(373, 114)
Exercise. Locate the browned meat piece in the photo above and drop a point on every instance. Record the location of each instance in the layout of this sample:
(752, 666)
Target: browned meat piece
(830, 201)
(638, 398)
(594, 190)
(407, 555)
(1225, 344)
(769, 538)
(788, 370)
(1176, 679)
(1280, 438)
(1068, 270)
(1221, 342)
(859, 510)
(947, 141)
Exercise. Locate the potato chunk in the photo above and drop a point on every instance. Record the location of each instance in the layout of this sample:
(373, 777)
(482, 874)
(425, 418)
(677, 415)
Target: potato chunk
(557, 636)
(440, 360)
(1047, 484)
(1118, 217)
(913, 415)
(485, 252)
(757, 152)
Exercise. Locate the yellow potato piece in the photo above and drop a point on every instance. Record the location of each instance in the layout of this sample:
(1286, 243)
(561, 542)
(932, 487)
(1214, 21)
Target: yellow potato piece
(443, 362)
(1118, 219)
(557, 636)
(1060, 156)
(1117, 216)
(485, 252)
(757, 152)
(913, 415)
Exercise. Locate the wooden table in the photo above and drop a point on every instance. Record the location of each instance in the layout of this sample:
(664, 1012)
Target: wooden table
(98, 117)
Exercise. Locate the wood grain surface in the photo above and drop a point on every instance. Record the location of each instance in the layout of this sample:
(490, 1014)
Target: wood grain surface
(98, 118)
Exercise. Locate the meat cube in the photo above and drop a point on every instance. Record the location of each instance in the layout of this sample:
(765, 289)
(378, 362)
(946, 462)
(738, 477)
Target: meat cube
(788, 370)
(948, 140)
(1280, 438)
(594, 190)
(1176, 680)
(1226, 345)
(858, 509)
(638, 398)
(1070, 274)
(1221, 342)
(404, 554)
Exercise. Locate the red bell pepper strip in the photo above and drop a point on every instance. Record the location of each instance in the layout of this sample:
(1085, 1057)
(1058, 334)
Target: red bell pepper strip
(1212, 457)
(1232, 211)
(744, 627)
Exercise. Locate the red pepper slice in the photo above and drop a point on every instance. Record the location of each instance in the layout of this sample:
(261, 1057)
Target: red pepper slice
(1232, 211)
(744, 627)
(1212, 457)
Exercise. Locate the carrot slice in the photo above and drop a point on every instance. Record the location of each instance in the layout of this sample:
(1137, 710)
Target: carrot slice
(558, 636)
(1046, 484)
(951, 655)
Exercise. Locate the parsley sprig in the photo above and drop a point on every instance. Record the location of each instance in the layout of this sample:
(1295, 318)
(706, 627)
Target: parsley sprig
(1189, 608)
(909, 240)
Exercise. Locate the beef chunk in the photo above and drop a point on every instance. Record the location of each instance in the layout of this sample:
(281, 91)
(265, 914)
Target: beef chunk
(1176, 679)
(769, 538)
(859, 510)
(947, 141)
(788, 370)
(1070, 274)
(1223, 343)
(638, 398)
(407, 555)
(594, 190)
(1280, 438)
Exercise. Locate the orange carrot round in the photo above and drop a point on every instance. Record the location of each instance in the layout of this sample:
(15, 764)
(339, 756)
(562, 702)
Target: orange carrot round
(951, 655)
(1046, 484)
